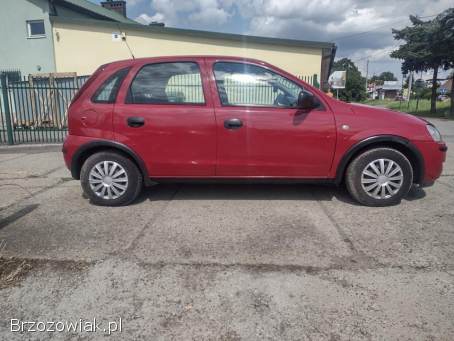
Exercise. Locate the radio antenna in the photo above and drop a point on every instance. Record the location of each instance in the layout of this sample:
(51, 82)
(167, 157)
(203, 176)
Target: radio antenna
(123, 38)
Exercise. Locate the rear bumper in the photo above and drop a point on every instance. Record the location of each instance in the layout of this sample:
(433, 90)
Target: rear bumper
(71, 145)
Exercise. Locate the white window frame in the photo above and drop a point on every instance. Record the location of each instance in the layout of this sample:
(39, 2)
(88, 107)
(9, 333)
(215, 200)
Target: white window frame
(29, 31)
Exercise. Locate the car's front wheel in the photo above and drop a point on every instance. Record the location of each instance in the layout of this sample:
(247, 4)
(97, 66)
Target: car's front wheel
(110, 179)
(379, 177)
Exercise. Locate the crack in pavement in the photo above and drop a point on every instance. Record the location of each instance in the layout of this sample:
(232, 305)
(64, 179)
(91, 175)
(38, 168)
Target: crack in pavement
(149, 223)
(42, 190)
(446, 184)
(17, 185)
(33, 176)
(248, 267)
(341, 232)
(17, 215)
(45, 174)
(14, 158)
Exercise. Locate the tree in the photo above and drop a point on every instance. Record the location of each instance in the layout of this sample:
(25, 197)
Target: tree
(447, 23)
(451, 111)
(355, 86)
(428, 46)
(383, 77)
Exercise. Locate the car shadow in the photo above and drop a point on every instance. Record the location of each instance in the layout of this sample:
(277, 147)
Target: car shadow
(166, 192)
(219, 191)
(415, 193)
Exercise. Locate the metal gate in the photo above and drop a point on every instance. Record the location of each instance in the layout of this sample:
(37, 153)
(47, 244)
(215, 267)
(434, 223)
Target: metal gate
(33, 109)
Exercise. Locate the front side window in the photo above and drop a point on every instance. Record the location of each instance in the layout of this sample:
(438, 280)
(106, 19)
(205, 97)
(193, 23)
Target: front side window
(246, 84)
(167, 83)
(36, 29)
(107, 92)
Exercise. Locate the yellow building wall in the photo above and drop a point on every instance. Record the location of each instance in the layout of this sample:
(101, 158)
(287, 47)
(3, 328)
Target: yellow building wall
(82, 48)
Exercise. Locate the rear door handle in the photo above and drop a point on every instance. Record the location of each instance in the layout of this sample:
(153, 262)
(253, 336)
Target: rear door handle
(136, 122)
(233, 123)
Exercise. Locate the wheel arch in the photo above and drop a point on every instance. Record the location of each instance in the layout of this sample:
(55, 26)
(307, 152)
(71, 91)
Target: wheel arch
(401, 144)
(88, 149)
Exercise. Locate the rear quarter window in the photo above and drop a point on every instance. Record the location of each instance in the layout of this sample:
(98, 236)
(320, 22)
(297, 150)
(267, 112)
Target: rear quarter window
(88, 82)
(108, 91)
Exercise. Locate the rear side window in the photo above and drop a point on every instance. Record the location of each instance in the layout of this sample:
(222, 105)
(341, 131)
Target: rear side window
(107, 92)
(167, 83)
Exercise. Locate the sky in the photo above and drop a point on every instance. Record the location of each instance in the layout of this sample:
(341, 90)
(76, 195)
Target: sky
(361, 29)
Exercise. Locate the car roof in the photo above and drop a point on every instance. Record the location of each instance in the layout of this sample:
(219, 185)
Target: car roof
(127, 62)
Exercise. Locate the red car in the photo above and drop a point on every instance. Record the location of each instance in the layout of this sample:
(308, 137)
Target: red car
(141, 121)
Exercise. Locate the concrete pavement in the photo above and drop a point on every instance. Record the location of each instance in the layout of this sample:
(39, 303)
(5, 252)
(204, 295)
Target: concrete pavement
(224, 262)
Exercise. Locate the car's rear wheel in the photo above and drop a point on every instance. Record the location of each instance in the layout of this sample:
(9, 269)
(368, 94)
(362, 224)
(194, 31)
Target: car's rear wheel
(379, 177)
(110, 179)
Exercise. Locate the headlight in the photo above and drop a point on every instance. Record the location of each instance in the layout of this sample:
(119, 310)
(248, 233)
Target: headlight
(434, 132)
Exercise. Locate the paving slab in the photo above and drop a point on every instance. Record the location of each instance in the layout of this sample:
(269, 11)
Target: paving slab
(224, 262)
(60, 224)
(177, 302)
(418, 232)
(256, 224)
(10, 156)
(31, 165)
(14, 190)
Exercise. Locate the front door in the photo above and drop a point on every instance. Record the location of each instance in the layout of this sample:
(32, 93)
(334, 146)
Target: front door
(260, 131)
(164, 114)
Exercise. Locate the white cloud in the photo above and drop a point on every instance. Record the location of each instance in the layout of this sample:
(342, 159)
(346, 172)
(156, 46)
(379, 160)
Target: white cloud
(132, 3)
(210, 16)
(146, 19)
(198, 13)
(343, 22)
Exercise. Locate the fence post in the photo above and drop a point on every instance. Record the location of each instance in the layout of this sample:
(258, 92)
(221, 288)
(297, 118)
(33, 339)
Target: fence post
(315, 81)
(9, 127)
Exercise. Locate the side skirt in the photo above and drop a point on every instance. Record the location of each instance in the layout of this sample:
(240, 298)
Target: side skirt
(244, 181)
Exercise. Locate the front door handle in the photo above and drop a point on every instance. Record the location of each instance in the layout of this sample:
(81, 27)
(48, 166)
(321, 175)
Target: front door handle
(136, 122)
(233, 123)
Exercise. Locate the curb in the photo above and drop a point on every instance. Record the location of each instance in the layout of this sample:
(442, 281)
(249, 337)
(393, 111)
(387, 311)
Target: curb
(30, 147)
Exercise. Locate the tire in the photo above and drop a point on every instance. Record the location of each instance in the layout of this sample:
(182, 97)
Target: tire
(363, 181)
(122, 184)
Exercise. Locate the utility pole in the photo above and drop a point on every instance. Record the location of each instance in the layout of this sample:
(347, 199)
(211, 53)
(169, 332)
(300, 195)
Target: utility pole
(367, 73)
(410, 81)
(401, 97)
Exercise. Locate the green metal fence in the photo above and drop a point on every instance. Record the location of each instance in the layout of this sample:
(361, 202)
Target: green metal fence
(313, 80)
(33, 110)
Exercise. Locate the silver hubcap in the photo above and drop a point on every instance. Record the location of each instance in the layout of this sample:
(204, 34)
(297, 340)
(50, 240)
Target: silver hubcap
(382, 178)
(108, 180)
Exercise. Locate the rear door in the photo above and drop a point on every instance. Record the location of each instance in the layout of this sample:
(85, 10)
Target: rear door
(260, 131)
(164, 113)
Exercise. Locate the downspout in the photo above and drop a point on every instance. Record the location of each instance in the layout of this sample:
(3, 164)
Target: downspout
(327, 65)
(52, 8)
(333, 55)
(53, 13)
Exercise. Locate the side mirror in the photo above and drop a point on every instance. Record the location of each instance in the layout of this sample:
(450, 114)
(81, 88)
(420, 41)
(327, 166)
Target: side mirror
(306, 101)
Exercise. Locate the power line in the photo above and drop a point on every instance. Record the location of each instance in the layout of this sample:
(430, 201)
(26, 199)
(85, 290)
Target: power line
(389, 49)
(378, 27)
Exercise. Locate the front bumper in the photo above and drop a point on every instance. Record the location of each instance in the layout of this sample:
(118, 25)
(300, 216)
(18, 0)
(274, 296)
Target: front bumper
(434, 154)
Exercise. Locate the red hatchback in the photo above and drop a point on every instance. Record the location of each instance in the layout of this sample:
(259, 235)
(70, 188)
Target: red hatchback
(141, 121)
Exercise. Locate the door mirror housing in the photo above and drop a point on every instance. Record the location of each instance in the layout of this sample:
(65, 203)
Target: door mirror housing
(307, 101)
